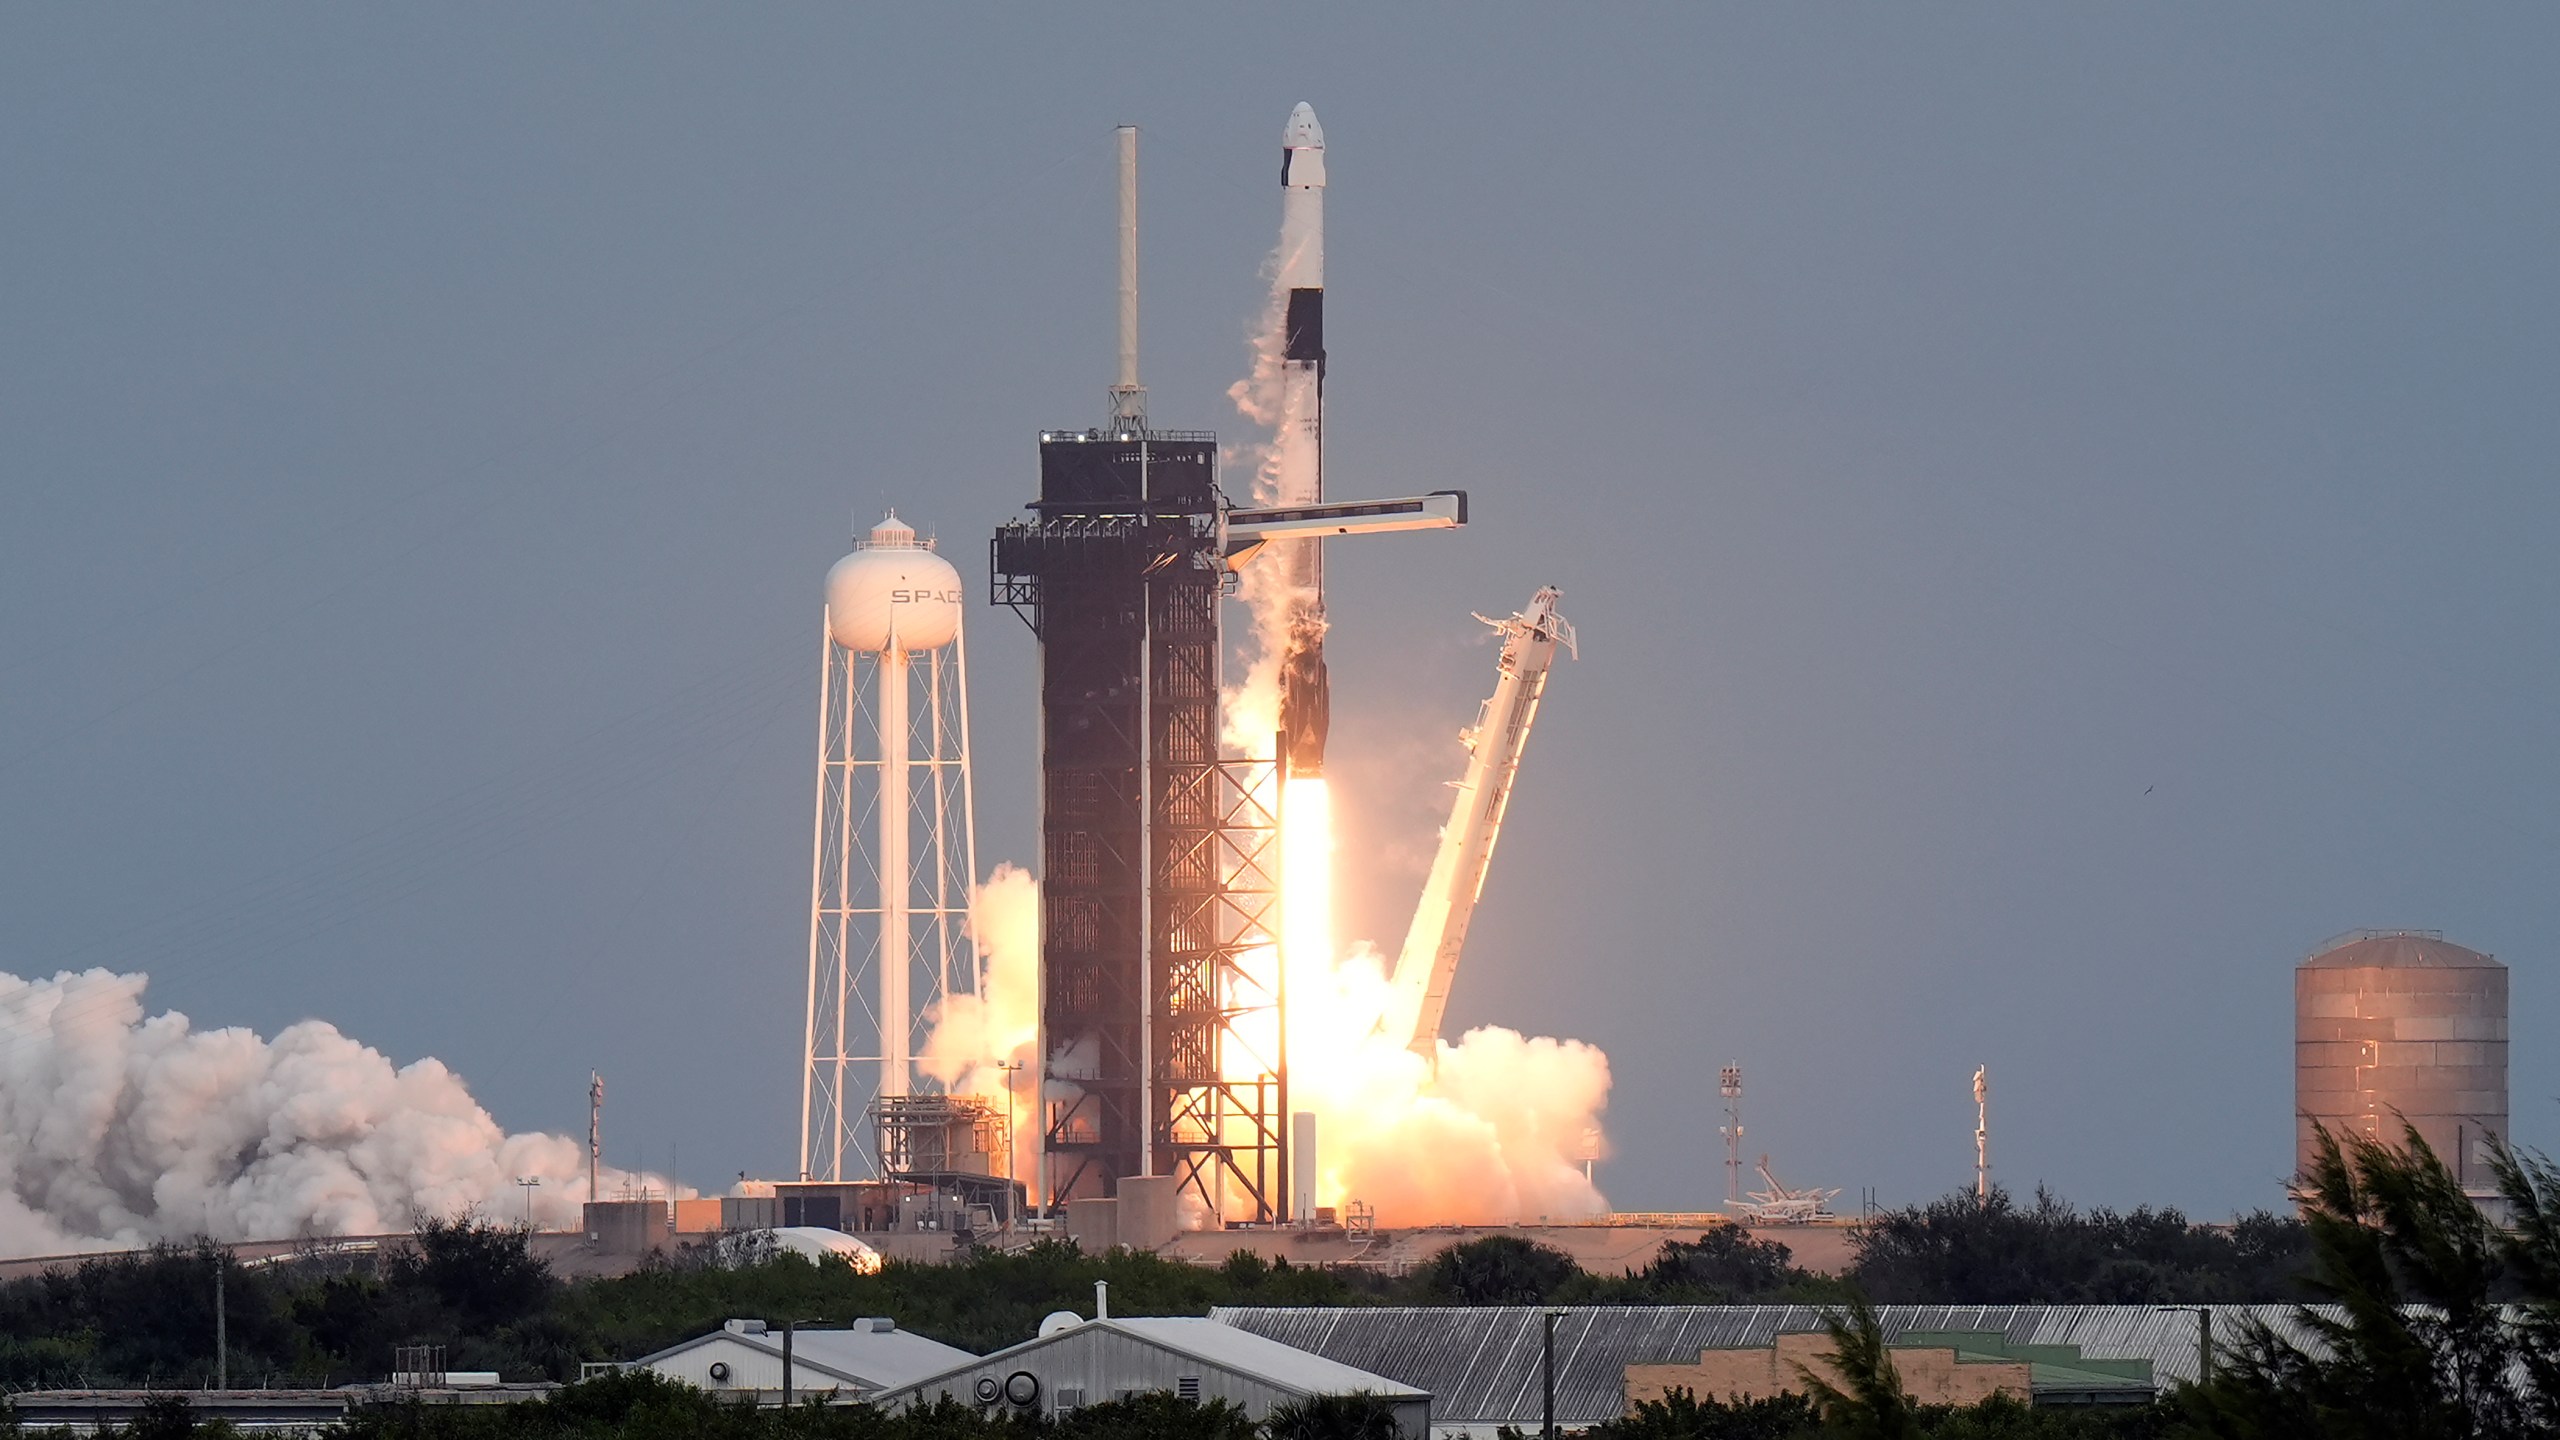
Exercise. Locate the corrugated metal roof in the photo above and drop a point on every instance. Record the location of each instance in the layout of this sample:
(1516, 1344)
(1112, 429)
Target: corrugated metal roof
(1244, 1351)
(873, 1358)
(884, 1359)
(1283, 1365)
(1482, 1363)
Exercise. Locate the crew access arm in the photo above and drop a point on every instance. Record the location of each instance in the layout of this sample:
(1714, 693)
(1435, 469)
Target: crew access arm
(1429, 962)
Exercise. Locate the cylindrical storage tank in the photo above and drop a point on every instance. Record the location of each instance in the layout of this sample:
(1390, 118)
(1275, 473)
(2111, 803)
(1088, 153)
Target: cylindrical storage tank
(2402, 1021)
(889, 588)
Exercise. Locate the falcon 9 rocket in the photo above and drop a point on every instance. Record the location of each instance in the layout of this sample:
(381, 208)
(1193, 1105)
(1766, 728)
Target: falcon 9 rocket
(1305, 707)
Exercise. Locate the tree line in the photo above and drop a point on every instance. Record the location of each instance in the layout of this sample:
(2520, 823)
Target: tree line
(475, 1288)
(2436, 1323)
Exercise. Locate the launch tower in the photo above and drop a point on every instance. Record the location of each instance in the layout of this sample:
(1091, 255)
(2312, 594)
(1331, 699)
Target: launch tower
(1161, 1037)
(1157, 854)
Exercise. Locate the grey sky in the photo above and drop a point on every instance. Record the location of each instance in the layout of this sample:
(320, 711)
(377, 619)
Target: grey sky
(2057, 504)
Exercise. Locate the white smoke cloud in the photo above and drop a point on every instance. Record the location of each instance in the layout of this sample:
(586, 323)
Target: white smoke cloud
(1493, 1129)
(969, 1035)
(118, 1129)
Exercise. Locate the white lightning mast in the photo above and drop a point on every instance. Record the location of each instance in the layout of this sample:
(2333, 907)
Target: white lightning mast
(1982, 1133)
(885, 911)
(1128, 398)
(1429, 962)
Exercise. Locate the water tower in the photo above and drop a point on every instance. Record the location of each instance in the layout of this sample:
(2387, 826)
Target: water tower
(2393, 1025)
(895, 849)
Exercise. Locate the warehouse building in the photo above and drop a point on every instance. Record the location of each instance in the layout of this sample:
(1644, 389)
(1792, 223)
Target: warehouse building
(744, 1358)
(1076, 1362)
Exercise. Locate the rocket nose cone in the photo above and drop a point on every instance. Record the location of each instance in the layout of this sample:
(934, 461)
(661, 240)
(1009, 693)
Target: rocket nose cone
(1302, 131)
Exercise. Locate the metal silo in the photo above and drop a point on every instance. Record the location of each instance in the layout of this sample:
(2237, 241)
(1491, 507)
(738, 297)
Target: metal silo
(2401, 1021)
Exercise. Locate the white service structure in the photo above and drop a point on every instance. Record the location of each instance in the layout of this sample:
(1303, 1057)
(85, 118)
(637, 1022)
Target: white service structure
(1428, 964)
(895, 847)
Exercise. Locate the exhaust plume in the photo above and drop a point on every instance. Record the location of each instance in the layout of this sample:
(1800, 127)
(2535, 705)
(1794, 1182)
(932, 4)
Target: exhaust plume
(123, 1128)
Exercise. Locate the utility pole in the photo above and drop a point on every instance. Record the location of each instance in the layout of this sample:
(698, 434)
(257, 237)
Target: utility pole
(1547, 1370)
(787, 1327)
(221, 1323)
(2204, 1337)
(528, 1182)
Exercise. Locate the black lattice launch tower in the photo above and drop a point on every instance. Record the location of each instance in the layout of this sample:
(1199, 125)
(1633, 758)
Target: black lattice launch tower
(1161, 1050)
(1158, 854)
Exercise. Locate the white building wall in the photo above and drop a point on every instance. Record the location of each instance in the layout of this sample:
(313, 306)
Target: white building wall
(750, 1368)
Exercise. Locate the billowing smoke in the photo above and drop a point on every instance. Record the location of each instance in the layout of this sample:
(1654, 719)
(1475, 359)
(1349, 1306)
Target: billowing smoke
(118, 1129)
(970, 1036)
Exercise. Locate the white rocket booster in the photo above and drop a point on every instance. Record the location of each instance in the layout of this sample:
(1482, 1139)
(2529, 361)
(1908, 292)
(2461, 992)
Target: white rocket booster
(1305, 704)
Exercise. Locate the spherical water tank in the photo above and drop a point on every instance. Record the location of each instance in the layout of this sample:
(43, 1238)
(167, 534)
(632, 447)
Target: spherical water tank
(892, 587)
(2401, 1021)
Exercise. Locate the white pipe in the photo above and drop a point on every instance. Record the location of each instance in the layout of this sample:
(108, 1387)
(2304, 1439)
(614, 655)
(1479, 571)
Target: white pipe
(896, 803)
(1128, 257)
(1128, 397)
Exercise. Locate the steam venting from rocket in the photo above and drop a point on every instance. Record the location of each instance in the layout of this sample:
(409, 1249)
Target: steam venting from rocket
(119, 1129)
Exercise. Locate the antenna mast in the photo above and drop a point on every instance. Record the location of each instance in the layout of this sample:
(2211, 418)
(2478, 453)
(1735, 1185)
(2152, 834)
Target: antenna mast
(1982, 1134)
(1730, 1081)
(1129, 398)
(595, 1131)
